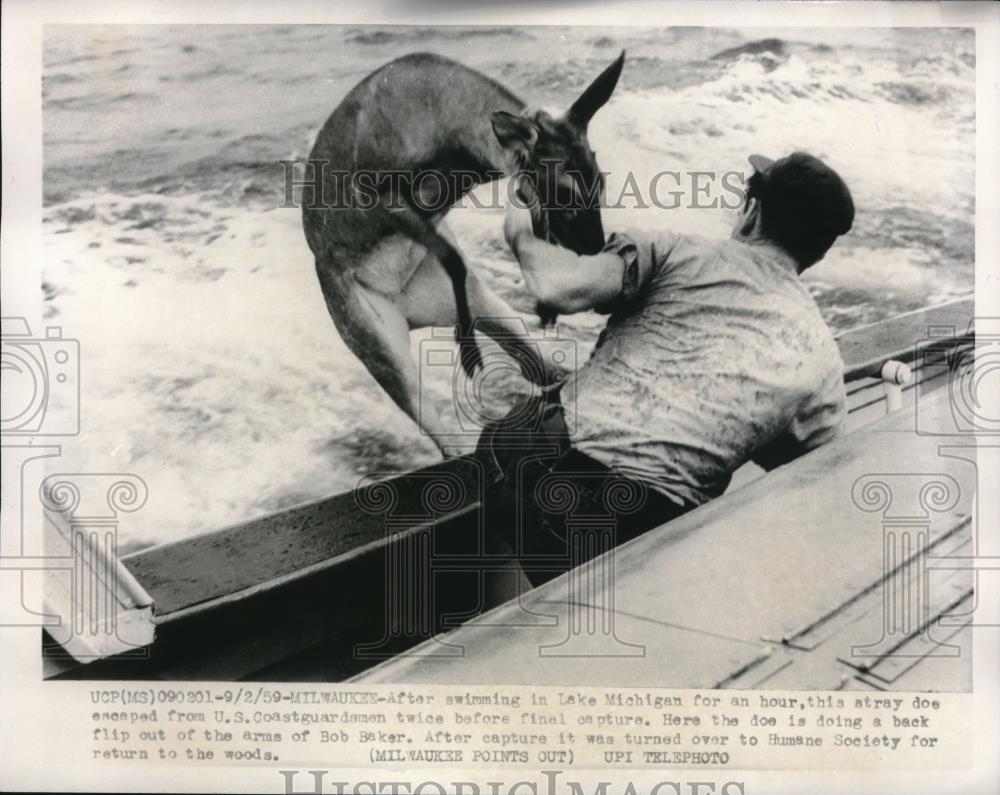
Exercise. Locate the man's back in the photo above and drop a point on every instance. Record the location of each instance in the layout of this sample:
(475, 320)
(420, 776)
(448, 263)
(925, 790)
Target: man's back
(716, 354)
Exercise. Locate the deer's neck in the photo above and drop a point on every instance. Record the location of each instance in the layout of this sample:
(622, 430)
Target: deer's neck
(480, 141)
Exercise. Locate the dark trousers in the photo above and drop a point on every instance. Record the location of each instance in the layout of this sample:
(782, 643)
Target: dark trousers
(553, 505)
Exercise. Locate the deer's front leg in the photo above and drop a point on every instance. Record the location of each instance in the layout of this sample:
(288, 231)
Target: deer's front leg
(509, 329)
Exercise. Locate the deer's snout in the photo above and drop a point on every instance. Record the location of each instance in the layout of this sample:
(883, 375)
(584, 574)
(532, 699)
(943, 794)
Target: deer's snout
(581, 232)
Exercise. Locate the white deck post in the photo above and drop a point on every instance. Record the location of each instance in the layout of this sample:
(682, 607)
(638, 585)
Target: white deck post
(894, 376)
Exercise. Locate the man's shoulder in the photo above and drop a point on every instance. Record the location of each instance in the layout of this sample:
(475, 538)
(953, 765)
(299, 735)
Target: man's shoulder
(692, 247)
(666, 239)
(660, 240)
(659, 250)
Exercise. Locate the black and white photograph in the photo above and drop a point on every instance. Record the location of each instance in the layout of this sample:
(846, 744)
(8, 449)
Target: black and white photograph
(642, 356)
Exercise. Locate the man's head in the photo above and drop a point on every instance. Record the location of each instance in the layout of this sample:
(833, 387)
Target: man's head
(797, 203)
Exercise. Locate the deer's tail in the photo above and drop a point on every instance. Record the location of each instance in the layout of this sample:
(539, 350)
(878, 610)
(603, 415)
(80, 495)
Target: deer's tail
(422, 231)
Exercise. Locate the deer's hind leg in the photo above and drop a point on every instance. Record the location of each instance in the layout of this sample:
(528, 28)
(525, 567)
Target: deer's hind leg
(374, 327)
(428, 234)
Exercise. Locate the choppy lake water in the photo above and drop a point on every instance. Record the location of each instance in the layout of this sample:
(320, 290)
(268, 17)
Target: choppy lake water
(210, 367)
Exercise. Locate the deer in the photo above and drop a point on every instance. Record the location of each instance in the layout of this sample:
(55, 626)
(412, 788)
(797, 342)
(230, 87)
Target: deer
(386, 260)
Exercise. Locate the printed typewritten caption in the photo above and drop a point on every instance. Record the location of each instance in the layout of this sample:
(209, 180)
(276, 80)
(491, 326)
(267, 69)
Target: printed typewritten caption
(526, 727)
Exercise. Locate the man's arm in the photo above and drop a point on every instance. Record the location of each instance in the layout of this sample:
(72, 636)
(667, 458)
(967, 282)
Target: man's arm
(563, 280)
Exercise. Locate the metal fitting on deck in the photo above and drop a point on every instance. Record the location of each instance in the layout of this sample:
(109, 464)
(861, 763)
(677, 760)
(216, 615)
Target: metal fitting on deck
(894, 376)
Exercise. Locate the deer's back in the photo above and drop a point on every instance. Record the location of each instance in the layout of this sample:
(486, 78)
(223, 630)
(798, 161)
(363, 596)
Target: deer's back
(419, 112)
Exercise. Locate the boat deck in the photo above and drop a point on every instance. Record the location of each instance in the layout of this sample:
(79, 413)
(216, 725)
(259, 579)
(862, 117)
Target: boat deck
(779, 584)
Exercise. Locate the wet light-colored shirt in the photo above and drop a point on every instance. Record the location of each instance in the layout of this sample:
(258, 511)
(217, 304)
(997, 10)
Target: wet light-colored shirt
(714, 354)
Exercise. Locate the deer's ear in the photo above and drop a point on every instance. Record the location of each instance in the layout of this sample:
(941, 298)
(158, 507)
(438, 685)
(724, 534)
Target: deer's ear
(516, 134)
(596, 95)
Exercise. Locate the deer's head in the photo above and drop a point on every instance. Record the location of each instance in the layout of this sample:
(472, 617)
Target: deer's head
(560, 168)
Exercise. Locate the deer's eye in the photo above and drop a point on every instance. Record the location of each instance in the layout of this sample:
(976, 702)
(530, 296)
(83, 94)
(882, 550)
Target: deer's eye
(568, 196)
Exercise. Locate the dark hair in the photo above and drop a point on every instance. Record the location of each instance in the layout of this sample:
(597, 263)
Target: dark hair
(787, 222)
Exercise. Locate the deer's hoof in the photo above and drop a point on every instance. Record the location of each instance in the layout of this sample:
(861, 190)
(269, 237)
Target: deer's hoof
(546, 315)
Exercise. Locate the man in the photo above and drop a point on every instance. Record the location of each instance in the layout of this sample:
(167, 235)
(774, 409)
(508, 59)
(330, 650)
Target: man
(714, 354)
